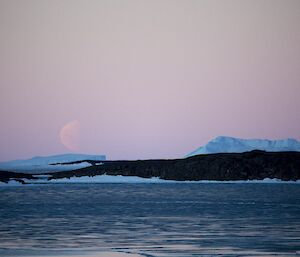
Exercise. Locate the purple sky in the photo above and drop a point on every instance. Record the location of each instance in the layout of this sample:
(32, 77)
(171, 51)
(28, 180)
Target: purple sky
(146, 78)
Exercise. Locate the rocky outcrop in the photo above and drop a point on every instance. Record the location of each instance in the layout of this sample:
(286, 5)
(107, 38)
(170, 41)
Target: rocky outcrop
(5, 176)
(222, 166)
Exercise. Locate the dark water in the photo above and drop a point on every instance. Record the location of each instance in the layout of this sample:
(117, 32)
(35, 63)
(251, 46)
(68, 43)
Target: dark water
(152, 219)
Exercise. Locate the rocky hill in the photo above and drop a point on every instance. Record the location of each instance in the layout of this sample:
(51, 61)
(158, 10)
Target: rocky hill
(222, 167)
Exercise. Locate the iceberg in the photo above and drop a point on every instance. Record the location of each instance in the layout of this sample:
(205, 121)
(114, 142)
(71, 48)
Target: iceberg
(40, 164)
(223, 144)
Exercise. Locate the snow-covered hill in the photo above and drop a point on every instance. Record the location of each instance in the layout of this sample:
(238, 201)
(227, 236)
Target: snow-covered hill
(40, 164)
(224, 144)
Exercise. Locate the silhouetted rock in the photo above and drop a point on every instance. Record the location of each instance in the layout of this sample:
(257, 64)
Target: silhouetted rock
(5, 176)
(222, 167)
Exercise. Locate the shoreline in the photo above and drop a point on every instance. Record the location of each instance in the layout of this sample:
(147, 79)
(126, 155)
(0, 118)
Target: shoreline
(108, 179)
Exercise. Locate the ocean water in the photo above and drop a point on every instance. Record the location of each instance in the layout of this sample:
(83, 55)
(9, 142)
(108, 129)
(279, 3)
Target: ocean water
(159, 220)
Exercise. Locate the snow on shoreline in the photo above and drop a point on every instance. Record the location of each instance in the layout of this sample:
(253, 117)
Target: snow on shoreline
(134, 180)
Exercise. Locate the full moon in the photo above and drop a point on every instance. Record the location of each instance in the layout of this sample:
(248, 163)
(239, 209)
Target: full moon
(70, 134)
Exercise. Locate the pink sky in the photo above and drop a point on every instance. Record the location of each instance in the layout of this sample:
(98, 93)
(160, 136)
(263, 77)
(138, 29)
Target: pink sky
(146, 78)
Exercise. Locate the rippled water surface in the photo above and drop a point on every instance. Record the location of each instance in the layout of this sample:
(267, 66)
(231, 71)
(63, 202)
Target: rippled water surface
(180, 220)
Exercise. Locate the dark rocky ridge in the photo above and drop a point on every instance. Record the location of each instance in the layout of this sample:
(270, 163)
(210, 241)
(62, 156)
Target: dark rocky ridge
(5, 176)
(222, 167)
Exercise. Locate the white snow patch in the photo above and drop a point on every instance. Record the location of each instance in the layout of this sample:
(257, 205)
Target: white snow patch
(10, 183)
(105, 179)
(43, 176)
(134, 179)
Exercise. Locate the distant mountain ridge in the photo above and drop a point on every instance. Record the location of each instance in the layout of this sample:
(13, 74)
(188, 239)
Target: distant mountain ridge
(224, 144)
(43, 163)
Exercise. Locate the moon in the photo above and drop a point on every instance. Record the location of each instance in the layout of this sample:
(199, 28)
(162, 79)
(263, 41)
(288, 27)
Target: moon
(70, 135)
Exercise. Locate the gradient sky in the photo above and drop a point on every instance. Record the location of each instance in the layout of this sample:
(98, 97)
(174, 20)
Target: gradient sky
(146, 78)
